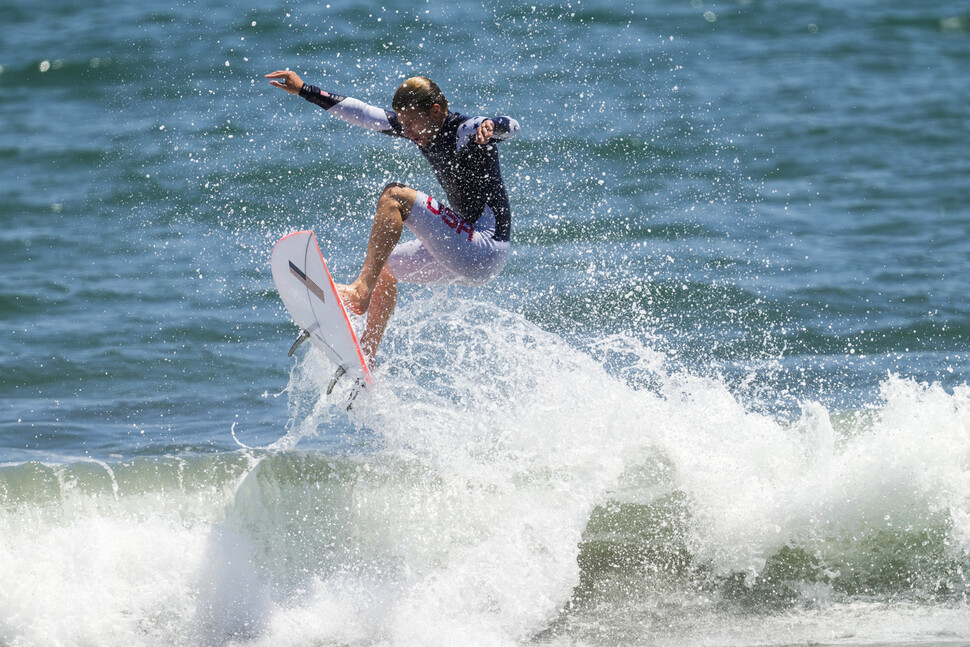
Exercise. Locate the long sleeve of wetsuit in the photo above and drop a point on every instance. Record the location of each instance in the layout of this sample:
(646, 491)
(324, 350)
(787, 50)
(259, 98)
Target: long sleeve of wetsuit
(353, 111)
(505, 128)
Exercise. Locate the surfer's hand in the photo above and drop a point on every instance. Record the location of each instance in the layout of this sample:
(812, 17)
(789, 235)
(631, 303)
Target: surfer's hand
(289, 81)
(485, 130)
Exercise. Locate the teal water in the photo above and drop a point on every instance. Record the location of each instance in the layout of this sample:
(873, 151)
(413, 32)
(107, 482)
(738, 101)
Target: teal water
(717, 397)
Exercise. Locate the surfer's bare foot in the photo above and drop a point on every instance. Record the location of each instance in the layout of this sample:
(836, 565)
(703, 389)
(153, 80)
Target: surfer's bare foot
(354, 296)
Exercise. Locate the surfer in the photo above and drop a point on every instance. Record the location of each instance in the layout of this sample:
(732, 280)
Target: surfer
(464, 243)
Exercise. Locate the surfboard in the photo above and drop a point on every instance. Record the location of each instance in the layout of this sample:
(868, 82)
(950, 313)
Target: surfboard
(303, 280)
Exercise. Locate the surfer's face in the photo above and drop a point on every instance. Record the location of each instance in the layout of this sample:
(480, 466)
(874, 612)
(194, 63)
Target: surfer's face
(420, 126)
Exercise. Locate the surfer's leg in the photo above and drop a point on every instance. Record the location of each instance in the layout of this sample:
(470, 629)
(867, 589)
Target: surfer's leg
(393, 208)
(382, 303)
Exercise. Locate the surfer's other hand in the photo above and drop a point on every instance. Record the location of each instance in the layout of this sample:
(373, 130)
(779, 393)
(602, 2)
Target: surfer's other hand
(289, 81)
(485, 131)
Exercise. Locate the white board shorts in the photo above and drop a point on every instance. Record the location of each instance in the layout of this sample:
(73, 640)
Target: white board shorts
(448, 249)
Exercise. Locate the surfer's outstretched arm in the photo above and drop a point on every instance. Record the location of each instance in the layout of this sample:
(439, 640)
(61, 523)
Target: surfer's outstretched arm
(353, 111)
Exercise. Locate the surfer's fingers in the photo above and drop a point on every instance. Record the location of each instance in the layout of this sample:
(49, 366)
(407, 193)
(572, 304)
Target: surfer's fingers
(287, 87)
(289, 75)
(287, 80)
(485, 130)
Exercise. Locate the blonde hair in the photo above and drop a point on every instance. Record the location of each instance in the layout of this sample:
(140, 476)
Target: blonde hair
(419, 93)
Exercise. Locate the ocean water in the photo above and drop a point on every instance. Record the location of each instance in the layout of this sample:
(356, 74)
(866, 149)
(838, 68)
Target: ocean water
(717, 397)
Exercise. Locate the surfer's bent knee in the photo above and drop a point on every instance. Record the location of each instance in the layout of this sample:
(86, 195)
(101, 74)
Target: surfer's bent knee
(402, 194)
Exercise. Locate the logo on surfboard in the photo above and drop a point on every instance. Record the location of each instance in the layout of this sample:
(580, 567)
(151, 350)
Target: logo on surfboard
(308, 282)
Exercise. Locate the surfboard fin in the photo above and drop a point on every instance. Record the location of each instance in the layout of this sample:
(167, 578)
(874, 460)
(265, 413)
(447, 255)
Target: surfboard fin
(354, 392)
(339, 373)
(304, 335)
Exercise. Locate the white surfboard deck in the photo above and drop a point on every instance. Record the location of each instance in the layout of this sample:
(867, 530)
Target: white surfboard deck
(304, 283)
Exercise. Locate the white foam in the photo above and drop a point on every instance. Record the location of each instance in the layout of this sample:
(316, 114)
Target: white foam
(98, 580)
(757, 484)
